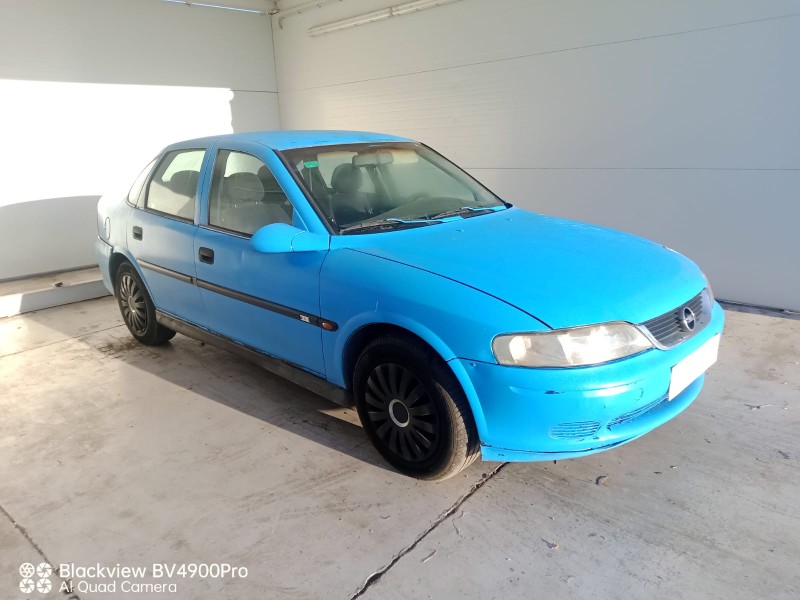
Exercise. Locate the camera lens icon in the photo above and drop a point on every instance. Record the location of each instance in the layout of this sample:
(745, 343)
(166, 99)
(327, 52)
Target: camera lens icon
(42, 584)
(44, 570)
(26, 570)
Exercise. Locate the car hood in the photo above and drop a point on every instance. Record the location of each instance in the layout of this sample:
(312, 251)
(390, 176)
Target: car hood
(564, 273)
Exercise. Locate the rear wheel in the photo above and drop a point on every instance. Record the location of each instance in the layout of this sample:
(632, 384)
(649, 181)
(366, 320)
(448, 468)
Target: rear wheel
(413, 409)
(137, 308)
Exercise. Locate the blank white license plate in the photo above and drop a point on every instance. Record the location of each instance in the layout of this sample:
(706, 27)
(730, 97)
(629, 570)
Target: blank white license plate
(694, 365)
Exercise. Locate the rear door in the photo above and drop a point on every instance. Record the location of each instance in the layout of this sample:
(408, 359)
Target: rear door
(161, 233)
(266, 301)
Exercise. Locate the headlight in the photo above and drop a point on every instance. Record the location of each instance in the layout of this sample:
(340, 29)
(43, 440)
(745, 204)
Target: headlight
(709, 290)
(573, 347)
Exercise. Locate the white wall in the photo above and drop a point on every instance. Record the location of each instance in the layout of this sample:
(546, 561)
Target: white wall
(673, 120)
(90, 90)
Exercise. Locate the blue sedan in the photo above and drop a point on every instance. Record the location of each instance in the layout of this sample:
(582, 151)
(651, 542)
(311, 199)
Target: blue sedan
(373, 271)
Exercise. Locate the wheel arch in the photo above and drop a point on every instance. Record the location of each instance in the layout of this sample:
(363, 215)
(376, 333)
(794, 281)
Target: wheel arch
(118, 258)
(364, 334)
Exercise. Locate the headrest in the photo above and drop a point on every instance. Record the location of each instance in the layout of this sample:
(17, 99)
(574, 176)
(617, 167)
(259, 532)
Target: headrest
(346, 179)
(268, 180)
(184, 183)
(244, 187)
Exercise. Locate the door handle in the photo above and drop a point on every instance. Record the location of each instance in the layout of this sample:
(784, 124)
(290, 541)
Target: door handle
(137, 232)
(206, 255)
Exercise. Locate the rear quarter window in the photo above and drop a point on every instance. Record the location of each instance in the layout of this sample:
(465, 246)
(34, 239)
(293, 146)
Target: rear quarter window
(136, 189)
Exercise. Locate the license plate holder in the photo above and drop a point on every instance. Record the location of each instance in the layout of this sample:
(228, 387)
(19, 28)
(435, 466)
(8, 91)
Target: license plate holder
(694, 365)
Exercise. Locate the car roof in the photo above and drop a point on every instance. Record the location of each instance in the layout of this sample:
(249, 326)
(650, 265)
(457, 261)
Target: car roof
(286, 140)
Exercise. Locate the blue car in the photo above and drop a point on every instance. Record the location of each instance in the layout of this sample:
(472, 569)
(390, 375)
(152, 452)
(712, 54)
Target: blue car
(375, 272)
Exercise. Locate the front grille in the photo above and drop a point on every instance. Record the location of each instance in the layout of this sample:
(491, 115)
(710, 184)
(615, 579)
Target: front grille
(666, 329)
(636, 413)
(570, 431)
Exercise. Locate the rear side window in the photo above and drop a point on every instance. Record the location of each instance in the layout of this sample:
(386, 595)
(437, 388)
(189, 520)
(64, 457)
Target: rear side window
(173, 188)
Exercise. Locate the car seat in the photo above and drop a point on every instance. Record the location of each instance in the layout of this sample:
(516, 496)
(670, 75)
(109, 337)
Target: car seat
(348, 203)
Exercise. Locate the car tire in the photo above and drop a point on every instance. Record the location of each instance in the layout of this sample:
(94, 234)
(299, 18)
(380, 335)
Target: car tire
(137, 308)
(413, 409)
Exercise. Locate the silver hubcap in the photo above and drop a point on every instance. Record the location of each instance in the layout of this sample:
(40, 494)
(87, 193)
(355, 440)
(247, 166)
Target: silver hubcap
(131, 301)
(399, 414)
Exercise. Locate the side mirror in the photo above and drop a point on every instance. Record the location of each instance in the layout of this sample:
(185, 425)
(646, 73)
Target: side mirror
(280, 237)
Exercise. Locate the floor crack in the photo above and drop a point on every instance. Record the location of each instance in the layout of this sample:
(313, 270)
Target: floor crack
(24, 532)
(376, 576)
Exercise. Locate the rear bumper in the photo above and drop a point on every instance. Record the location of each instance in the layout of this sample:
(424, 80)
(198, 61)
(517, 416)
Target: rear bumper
(547, 414)
(103, 251)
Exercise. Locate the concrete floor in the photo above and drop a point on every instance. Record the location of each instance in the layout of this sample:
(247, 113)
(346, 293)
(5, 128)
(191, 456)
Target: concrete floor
(113, 452)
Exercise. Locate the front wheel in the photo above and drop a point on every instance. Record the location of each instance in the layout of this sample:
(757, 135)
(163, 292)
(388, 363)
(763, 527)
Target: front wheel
(413, 409)
(137, 308)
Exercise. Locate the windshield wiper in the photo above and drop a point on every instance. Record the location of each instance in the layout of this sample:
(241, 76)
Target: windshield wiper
(391, 223)
(467, 211)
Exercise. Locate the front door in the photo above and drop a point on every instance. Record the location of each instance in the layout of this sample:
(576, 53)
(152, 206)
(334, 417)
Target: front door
(266, 301)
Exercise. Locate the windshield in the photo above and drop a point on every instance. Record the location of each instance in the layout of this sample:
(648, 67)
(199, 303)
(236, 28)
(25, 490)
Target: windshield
(387, 185)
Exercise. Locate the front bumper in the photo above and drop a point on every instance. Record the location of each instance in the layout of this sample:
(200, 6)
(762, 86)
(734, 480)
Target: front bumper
(547, 414)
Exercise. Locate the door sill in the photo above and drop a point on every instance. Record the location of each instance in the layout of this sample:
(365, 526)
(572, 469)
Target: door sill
(293, 373)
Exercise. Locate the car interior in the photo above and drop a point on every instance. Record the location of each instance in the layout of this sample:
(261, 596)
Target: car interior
(175, 196)
(244, 201)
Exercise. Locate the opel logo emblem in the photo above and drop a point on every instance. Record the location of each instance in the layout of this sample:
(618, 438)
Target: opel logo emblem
(688, 320)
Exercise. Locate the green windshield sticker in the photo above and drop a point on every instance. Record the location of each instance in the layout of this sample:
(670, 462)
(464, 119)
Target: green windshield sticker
(311, 164)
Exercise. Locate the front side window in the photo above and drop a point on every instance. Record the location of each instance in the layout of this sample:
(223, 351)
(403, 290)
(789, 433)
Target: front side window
(173, 188)
(397, 184)
(245, 196)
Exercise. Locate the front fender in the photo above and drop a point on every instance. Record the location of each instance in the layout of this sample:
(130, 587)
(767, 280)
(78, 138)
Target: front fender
(382, 317)
(457, 321)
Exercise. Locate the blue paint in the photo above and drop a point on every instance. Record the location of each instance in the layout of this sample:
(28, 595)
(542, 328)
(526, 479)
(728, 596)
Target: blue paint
(455, 284)
(286, 140)
(280, 237)
(563, 272)
(168, 243)
(287, 279)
